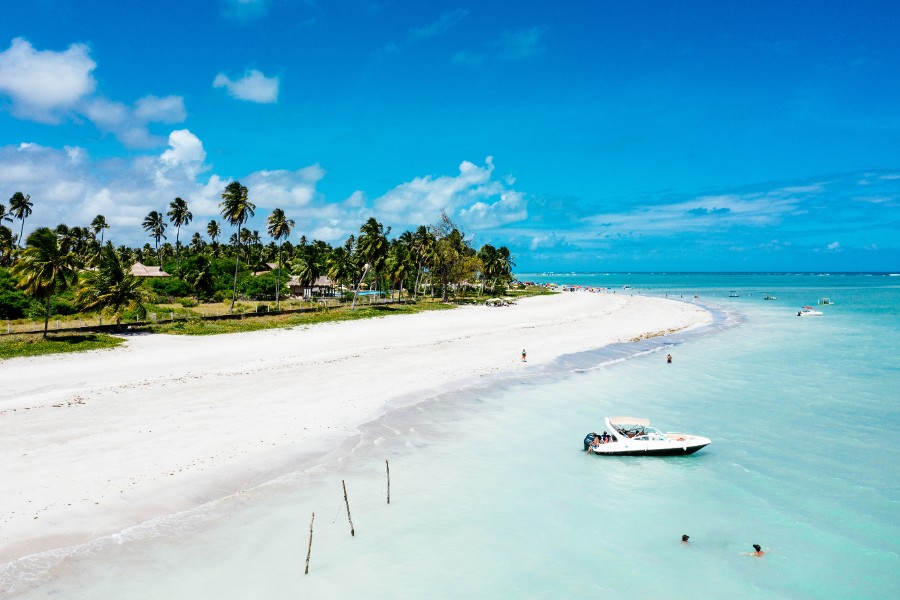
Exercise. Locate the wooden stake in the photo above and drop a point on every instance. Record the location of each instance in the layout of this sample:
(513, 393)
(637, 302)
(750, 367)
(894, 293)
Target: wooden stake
(309, 548)
(347, 502)
(387, 464)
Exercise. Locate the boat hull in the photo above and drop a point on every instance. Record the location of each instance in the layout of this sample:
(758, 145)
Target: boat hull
(678, 451)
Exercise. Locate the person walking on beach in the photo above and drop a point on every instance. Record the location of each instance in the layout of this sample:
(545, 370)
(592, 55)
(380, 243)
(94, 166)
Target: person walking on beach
(523, 355)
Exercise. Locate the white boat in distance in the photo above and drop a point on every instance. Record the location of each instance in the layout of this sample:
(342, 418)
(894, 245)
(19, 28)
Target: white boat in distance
(633, 436)
(809, 311)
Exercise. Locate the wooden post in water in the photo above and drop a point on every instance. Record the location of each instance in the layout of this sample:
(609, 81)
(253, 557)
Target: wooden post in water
(309, 547)
(347, 502)
(388, 465)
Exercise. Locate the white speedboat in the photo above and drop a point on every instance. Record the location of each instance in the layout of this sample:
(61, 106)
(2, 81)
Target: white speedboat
(809, 311)
(633, 436)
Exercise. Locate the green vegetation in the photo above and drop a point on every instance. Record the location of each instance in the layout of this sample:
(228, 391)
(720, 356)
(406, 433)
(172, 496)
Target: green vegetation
(74, 277)
(27, 345)
(289, 320)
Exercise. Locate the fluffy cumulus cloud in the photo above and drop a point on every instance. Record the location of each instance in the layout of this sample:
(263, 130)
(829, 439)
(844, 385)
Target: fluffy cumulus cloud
(473, 196)
(69, 186)
(252, 87)
(44, 84)
(48, 86)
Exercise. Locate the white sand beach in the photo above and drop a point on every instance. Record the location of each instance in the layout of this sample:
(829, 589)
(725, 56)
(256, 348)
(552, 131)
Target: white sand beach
(93, 443)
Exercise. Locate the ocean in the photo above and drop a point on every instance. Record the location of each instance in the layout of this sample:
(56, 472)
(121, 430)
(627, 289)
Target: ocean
(492, 497)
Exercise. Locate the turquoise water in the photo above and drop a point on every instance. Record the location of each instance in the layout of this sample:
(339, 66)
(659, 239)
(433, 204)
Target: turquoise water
(491, 496)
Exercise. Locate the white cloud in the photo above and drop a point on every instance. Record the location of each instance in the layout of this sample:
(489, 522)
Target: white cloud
(160, 110)
(511, 207)
(130, 125)
(252, 87)
(43, 84)
(47, 86)
(424, 198)
(185, 150)
(285, 189)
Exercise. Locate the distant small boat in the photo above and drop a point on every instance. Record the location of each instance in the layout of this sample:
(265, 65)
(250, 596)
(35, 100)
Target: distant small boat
(809, 311)
(733, 294)
(768, 297)
(825, 301)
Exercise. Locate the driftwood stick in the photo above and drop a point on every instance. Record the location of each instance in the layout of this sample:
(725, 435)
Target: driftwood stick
(309, 548)
(347, 502)
(388, 465)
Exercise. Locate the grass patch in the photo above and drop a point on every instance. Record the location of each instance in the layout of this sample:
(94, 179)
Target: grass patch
(35, 345)
(284, 321)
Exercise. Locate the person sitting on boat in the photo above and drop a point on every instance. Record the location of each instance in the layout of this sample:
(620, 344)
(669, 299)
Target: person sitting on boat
(605, 439)
(596, 442)
(588, 440)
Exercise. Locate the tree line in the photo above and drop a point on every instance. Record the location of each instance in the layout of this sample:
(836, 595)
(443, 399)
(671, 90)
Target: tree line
(73, 269)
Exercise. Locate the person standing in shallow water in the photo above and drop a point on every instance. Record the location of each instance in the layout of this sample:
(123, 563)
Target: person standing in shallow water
(669, 358)
(757, 551)
(523, 355)
(685, 538)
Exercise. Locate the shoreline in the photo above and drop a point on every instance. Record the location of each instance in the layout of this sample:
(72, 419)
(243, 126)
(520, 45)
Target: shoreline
(111, 439)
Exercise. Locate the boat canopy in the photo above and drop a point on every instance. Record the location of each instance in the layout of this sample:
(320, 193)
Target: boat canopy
(629, 421)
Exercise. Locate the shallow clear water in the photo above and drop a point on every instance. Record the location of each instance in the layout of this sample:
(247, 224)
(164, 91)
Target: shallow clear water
(492, 497)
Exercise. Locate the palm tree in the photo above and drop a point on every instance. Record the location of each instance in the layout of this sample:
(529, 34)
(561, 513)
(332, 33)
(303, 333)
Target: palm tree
(45, 268)
(4, 216)
(236, 209)
(197, 242)
(341, 267)
(213, 231)
(279, 227)
(98, 225)
(489, 264)
(7, 246)
(20, 206)
(155, 225)
(372, 245)
(423, 244)
(179, 215)
(112, 287)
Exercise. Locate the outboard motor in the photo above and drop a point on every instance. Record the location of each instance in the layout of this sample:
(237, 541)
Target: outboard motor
(588, 439)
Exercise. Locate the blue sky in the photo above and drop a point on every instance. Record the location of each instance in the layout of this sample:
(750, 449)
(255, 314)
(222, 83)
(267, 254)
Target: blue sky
(582, 135)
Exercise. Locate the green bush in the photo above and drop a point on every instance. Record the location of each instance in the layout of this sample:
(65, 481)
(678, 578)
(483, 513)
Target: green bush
(187, 302)
(14, 304)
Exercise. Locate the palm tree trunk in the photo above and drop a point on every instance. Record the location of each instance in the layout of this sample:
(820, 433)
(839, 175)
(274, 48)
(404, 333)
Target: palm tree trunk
(46, 317)
(278, 279)
(21, 231)
(418, 273)
(237, 259)
(356, 291)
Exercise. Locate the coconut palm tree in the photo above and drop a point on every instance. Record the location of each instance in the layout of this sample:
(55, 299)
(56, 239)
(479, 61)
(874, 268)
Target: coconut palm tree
(179, 215)
(422, 245)
(7, 246)
(341, 267)
(197, 242)
(279, 227)
(372, 245)
(5, 216)
(155, 225)
(112, 288)
(213, 231)
(98, 225)
(45, 268)
(20, 206)
(236, 208)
